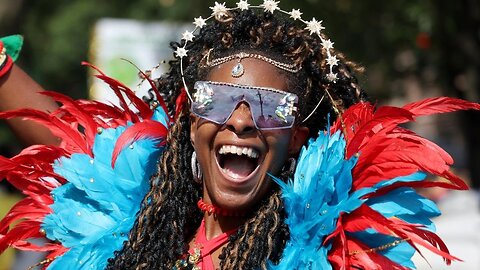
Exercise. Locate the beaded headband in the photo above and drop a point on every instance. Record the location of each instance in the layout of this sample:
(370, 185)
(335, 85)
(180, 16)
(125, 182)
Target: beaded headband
(238, 70)
(220, 11)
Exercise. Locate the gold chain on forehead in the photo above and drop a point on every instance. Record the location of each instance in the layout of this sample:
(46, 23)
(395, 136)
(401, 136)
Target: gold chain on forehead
(238, 70)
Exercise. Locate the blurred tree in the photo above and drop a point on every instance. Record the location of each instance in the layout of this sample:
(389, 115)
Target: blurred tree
(457, 30)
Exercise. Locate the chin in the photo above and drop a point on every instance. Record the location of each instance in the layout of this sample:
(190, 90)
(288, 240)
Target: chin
(232, 196)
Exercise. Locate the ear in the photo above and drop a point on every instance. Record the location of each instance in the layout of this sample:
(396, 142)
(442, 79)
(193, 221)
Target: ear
(193, 128)
(299, 136)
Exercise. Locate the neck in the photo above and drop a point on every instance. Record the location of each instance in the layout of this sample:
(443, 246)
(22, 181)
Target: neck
(216, 225)
(218, 220)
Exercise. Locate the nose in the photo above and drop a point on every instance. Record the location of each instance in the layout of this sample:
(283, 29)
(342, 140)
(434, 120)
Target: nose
(241, 120)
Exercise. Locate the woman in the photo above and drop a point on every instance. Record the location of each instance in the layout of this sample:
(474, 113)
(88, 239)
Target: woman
(234, 182)
(260, 82)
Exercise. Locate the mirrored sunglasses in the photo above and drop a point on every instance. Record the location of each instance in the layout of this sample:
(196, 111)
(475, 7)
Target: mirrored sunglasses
(270, 108)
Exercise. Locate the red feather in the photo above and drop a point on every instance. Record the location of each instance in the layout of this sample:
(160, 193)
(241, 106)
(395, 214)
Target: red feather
(384, 120)
(28, 246)
(388, 151)
(180, 102)
(365, 217)
(338, 254)
(81, 116)
(105, 115)
(21, 231)
(146, 129)
(119, 88)
(431, 106)
(27, 208)
(157, 93)
(71, 137)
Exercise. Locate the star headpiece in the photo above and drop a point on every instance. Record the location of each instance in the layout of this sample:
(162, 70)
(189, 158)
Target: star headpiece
(219, 10)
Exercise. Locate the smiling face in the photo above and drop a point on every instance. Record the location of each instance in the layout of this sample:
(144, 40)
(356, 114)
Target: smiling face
(235, 157)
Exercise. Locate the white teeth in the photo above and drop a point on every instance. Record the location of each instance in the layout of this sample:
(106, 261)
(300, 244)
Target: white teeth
(238, 150)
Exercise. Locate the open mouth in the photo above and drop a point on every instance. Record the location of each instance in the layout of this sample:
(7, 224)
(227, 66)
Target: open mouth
(237, 162)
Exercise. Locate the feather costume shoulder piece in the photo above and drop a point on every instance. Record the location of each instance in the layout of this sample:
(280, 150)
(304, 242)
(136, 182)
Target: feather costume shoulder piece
(83, 196)
(351, 204)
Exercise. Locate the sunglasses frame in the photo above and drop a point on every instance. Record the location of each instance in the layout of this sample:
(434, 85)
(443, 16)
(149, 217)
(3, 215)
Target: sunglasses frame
(292, 100)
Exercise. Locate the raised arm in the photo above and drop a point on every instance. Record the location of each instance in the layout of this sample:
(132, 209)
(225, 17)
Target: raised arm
(18, 90)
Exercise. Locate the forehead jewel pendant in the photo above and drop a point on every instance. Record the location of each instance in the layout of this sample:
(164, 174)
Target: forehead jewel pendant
(238, 70)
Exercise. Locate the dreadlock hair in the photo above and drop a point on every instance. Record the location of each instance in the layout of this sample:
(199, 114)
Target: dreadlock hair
(169, 216)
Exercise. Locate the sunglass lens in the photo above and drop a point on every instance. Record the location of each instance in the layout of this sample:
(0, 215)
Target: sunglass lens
(272, 110)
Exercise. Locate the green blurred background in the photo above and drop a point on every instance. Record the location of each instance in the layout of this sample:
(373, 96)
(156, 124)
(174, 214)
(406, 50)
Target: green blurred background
(411, 50)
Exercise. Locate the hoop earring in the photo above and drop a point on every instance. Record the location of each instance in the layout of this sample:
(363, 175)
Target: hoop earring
(196, 170)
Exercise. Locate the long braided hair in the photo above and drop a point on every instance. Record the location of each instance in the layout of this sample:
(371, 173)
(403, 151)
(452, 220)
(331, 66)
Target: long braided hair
(169, 216)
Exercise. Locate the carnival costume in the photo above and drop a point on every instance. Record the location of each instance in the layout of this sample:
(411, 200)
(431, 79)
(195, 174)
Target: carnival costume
(350, 204)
